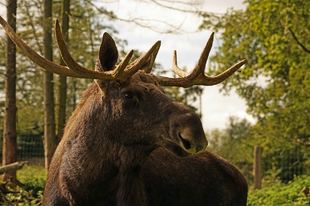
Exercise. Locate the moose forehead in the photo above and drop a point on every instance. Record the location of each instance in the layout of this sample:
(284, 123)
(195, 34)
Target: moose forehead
(143, 79)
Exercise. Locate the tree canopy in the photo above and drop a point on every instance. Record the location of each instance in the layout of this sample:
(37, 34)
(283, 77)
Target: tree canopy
(273, 36)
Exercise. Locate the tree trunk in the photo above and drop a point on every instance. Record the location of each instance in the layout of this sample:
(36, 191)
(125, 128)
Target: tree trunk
(49, 114)
(257, 168)
(62, 84)
(9, 133)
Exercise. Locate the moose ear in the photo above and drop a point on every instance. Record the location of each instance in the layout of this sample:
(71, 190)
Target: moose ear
(108, 54)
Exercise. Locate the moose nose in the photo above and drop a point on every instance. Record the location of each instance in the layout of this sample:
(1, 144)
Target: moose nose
(186, 129)
(191, 141)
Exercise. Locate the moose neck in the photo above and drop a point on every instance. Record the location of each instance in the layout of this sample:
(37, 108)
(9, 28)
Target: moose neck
(131, 188)
(95, 131)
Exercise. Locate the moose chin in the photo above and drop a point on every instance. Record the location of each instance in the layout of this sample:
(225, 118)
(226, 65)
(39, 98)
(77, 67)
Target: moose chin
(128, 144)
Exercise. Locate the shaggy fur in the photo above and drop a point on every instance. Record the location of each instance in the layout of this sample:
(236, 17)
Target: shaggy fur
(112, 150)
(110, 154)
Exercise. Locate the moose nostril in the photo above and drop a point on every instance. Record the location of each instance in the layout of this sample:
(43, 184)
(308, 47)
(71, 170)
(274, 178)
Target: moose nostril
(186, 143)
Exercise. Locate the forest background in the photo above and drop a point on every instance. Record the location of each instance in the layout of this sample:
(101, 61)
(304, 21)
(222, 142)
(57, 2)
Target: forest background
(272, 35)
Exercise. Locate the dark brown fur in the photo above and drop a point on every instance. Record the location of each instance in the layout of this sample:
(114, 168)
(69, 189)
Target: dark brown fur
(109, 155)
(201, 179)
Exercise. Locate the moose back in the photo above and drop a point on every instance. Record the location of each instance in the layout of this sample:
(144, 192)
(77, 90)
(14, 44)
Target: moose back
(128, 144)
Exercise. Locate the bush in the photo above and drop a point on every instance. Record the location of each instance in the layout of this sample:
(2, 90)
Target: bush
(289, 194)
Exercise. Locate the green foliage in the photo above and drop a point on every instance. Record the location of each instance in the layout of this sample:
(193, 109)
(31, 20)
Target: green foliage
(34, 178)
(281, 194)
(271, 177)
(274, 38)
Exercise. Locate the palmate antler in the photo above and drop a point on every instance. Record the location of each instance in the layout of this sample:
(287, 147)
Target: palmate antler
(123, 70)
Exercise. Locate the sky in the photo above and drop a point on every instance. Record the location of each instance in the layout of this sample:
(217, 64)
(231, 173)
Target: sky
(216, 108)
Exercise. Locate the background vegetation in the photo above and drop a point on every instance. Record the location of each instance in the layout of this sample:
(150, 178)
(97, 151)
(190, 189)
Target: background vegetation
(274, 38)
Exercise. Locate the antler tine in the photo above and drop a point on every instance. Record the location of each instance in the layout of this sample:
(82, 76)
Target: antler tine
(35, 57)
(197, 75)
(73, 65)
(139, 63)
(151, 62)
(200, 67)
(119, 70)
(175, 67)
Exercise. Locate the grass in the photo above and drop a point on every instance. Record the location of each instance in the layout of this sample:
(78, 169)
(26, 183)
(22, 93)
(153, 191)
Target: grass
(34, 178)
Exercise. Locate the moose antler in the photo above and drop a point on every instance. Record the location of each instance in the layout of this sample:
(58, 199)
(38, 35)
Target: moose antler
(73, 69)
(197, 75)
(123, 70)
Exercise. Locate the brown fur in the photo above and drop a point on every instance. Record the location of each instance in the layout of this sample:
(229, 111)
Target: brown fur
(110, 153)
(201, 179)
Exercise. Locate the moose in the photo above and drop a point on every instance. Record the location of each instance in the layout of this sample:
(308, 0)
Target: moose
(127, 143)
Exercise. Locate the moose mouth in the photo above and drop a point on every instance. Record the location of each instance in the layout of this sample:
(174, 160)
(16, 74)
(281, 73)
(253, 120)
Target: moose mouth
(176, 150)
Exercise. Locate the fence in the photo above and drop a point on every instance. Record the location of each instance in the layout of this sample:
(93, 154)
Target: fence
(29, 148)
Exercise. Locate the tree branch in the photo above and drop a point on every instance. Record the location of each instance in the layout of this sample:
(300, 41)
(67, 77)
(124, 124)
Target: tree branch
(174, 8)
(302, 142)
(145, 23)
(298, 42)
(12, 167)
(27, 6)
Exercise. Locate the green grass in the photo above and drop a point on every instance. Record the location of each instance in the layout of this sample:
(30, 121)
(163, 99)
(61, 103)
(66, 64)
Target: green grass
(281, 194)
(34, 178)
(278, 194)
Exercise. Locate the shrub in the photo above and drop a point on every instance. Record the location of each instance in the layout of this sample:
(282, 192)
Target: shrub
(289, 194)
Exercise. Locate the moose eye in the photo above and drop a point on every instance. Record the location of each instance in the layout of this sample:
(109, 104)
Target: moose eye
(128, 95)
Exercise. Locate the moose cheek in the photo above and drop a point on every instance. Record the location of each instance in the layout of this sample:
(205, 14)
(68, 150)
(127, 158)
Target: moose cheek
(130, 105)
